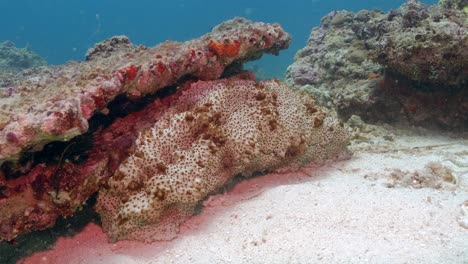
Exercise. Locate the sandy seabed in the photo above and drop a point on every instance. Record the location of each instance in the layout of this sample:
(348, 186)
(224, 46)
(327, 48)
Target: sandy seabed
(400, 199)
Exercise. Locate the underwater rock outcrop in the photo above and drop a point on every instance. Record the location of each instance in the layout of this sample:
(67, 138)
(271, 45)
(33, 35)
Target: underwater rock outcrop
(214, 131)
(13, 60)
(65, 129)
(409, 65)
(56, 103)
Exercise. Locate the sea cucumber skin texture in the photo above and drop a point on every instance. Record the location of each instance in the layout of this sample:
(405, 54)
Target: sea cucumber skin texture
(216, 130)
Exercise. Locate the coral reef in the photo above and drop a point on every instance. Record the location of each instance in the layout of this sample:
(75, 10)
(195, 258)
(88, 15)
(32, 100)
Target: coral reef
(409, 65)
(55, 103)
(13, 59)
(214, 131)
(430, 46)
(65, 129)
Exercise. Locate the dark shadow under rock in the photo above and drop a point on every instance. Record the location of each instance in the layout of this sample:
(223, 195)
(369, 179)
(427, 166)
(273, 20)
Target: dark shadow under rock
(37, 241)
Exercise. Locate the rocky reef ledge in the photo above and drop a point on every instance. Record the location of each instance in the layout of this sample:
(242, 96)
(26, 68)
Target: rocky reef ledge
(153, 130)
(14, 60)
(55, 103)
(408, 66)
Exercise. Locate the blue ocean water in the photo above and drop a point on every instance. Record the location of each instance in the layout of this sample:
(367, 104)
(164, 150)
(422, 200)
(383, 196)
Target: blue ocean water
(62, 30)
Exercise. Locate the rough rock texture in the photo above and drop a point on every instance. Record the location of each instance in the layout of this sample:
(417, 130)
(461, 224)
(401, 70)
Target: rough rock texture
(55, 103)
(13, 59)
(214, 131)
(428, 45)
(64, 130)
(409, 65)
(70, 173)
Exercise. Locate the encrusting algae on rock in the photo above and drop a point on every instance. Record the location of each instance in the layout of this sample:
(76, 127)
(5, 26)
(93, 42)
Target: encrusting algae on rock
(55, 103)
(65, 129)
(214, 131)
(406, 66)
(148, 130)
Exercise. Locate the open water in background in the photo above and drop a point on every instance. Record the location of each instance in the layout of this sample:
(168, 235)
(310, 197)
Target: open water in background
(62, 30)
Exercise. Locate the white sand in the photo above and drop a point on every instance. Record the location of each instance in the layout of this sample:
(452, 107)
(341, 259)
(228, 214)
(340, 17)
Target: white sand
(344, 212)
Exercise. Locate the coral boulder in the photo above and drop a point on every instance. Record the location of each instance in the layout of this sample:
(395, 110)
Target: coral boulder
(407, 66)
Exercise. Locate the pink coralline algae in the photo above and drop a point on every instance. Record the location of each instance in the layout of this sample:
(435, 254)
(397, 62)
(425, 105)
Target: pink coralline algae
(51, 189)
(55, 103)
(66, 129)
(214, 131)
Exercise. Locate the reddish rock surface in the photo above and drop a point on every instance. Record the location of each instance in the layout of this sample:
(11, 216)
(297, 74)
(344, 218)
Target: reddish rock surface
(71, 107)
(55, 103)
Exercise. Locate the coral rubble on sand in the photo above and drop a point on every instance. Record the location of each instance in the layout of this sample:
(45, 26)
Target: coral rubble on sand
(408, 65)
(215, 131)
